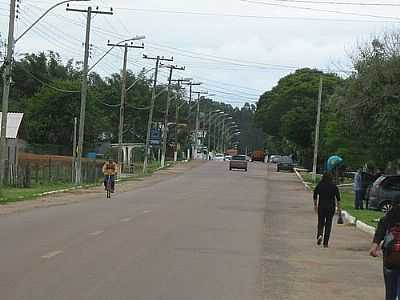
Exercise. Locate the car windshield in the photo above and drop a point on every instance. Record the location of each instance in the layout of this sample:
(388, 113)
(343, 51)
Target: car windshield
(239, 157)
(285, 159)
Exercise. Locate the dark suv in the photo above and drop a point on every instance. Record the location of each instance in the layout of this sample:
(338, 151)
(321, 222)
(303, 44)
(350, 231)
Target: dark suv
(383, 190)
(285, 163)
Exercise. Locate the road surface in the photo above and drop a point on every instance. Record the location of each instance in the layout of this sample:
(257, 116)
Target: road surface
(197, 234)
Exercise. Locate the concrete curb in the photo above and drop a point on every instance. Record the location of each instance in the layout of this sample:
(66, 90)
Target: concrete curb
(306, 185)
(348, 219)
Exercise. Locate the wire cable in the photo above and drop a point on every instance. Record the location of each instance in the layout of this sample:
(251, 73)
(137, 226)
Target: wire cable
(321, 10)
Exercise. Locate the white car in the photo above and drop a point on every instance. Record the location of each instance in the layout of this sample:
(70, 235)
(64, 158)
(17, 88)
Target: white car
(219, 157)
(228, 157)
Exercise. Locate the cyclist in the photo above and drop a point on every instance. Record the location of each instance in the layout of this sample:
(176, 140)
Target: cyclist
(110, 168)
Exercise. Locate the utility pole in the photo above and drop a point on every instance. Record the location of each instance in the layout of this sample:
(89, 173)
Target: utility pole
(165, 132)
(84, 86)
(222, 135)
(153, 97)
(314, 173)
(123, 96)
(196, 143)
(74, 149)
(179, 81)
(209, 133)
(6, 91)
(191, 84)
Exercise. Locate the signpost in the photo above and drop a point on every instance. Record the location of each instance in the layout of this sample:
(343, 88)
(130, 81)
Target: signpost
(155, 136)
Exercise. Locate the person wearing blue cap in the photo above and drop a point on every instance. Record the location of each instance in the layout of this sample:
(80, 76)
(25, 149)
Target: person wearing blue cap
(326, 198)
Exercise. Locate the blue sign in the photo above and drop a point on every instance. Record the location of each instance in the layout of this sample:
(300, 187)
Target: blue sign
(155, 136)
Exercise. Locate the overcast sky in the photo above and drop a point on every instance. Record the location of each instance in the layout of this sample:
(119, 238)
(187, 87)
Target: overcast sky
(237, 49)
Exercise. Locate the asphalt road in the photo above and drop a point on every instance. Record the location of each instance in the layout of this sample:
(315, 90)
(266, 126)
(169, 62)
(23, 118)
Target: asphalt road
(198, 234)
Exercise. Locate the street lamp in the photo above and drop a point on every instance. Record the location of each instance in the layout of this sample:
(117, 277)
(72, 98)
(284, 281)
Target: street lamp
(211, 117)
(227, 117)
(7, 76)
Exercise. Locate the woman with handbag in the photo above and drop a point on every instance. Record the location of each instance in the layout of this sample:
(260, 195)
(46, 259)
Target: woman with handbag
(326, 198)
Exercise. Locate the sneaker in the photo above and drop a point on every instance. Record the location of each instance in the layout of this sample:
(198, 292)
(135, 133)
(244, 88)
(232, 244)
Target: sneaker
(326, 246)
(319, 240)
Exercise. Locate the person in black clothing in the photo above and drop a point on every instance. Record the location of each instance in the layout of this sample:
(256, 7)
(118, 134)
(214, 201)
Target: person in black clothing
(391, 274)
(326, 197)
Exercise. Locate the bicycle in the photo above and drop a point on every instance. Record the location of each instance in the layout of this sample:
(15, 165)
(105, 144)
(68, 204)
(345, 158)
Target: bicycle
(108, 186)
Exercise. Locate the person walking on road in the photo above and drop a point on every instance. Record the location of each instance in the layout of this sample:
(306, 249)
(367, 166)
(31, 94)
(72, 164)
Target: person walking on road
(387, 238)
(357, 187)
(326, 198)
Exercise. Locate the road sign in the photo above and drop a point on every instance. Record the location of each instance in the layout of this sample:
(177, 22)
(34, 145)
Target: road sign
(155, 136)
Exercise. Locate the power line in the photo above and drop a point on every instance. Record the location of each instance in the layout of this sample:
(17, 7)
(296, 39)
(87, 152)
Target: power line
(212, 14)
(339, 3)
(46, 84)
(321, 10)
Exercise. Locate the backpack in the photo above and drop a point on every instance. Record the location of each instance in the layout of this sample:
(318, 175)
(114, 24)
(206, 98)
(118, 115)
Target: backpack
(391, 247)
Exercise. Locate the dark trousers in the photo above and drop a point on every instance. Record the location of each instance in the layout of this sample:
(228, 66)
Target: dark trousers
(325, 217)
(112, 181)
(358, 201)
(392, 283)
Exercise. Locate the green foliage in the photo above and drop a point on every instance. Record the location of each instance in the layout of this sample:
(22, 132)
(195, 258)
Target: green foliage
(47, 91)
(288, 111)
(368, 102)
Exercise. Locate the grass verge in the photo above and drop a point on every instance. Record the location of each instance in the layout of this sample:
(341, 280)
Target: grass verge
(10, 194)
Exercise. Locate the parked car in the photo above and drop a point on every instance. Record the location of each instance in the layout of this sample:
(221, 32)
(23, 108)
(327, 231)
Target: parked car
(274, 159)
(285, 163)
(238, 162)
(219, 157)
(383, 190)
(228, 157)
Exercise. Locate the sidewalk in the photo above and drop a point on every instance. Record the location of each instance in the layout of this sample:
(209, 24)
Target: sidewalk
(95, 193)
(296, 268)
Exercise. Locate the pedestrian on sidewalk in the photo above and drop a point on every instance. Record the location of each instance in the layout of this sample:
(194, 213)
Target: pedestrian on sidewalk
(357, 188)
(387, 238)
(326, 198)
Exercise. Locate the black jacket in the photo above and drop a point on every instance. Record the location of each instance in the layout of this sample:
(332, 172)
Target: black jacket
(326, 192)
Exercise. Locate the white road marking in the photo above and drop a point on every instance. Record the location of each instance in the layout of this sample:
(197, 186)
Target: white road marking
(97, 232)
(126, 220)
(52, 254)
(147, 212)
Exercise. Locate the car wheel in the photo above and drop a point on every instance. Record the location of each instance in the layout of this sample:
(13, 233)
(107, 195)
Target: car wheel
(245, 170)
(385, 206)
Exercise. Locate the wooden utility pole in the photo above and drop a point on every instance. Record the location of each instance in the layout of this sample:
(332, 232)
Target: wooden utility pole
(6, 91)
(316, 142)
(84, 86)
(123, 96)
(153, 98)
(165, 131)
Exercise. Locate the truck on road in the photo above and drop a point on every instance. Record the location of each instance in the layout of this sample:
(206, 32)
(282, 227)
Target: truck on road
(258, 155)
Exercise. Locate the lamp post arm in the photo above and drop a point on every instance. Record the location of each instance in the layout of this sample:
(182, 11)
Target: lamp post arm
(44, 14)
